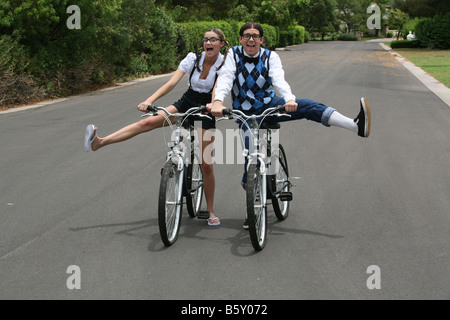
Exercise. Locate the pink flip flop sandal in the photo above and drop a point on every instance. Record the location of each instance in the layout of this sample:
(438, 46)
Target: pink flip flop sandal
(213, 221)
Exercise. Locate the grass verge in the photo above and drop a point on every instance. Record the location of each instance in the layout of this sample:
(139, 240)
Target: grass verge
(435, 62)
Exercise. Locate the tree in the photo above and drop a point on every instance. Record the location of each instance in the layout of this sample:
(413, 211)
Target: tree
(320, 16)
(274, 12)
(423, 8)
(397, 19)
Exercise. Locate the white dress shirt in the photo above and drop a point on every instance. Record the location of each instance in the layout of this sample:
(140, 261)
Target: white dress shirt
(200, 85)
(276, 72)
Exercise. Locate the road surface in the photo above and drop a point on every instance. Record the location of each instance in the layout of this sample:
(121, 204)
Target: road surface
(369, 220)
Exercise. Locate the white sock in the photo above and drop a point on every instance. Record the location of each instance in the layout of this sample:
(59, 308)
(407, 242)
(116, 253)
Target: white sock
(338, 120)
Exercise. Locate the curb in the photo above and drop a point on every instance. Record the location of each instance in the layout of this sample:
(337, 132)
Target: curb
(435, 86)
(116, 86)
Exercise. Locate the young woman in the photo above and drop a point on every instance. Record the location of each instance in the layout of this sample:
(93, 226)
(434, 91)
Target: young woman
(203, 68)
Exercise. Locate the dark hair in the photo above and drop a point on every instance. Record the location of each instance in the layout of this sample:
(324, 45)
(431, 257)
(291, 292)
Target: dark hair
(251, 25)
(222, 39)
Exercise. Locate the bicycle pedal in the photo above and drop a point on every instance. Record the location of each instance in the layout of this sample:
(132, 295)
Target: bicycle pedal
(285, 196)
(202, 214)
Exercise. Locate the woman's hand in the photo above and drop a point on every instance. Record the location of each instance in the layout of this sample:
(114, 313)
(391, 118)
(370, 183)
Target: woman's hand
(143, 106)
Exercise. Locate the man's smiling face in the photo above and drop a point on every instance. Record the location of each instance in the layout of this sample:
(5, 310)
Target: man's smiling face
(250, 44)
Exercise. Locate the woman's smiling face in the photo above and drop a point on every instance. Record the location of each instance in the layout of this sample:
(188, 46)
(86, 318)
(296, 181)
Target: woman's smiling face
(211, 47)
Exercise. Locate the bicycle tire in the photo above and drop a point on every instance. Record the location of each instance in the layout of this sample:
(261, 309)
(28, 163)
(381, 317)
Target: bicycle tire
(278, 180)
(256, 207)
(194, 186)
(170, 203)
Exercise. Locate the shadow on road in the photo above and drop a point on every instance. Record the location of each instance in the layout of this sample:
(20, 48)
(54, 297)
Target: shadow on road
(229, 232)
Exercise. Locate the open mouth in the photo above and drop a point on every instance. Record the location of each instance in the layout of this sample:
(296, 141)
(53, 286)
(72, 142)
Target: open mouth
(209, 49)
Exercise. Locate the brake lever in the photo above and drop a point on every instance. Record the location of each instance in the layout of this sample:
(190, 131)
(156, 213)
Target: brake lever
(201, 115)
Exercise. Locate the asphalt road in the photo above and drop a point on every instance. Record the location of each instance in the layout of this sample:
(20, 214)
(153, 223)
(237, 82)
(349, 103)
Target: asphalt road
(382, 201)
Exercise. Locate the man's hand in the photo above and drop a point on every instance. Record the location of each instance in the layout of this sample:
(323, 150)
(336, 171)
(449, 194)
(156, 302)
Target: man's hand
(291, 106)
(209, 107)
(217, 108)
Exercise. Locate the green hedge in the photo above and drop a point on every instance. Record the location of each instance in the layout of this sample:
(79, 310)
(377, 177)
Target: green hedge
(405, 44)
(347, 37)
(41, 58)
(434, 32)
(295, 35)
(271, 36)
(191, 33)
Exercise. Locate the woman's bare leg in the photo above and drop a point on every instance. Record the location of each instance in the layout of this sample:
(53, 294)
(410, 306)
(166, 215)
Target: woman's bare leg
(131, 130)
(209, 182)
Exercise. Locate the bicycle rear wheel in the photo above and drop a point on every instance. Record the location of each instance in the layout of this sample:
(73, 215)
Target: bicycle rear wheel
(194, 186)
(256, 207)
(170, 203)
(280, 183)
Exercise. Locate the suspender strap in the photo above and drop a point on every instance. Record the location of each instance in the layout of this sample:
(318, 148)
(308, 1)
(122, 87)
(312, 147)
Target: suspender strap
(192, 72)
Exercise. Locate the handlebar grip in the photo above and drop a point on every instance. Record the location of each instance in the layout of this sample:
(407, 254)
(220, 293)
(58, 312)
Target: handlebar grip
(202, 109)
(151, 108)
(227, 112)
(281, 108)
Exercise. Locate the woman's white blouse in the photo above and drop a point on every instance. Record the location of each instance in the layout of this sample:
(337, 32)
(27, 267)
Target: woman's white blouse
(200, 85)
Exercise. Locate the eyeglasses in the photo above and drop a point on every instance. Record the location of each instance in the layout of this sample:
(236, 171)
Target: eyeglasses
(210, 39)
(247, 36)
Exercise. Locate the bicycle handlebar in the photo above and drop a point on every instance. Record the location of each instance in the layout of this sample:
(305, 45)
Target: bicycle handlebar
(279, 109)
(195, 110)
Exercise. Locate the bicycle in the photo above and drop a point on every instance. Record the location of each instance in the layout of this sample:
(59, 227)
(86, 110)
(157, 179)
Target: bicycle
(181, 175)
(267, 174)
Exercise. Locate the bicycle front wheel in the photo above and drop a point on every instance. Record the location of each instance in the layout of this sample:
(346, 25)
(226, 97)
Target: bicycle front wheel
(194, 186)
(256, 207)
(170, 203)
(280, 184)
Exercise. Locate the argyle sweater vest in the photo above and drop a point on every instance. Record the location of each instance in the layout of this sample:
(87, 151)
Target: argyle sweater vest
(252, 86)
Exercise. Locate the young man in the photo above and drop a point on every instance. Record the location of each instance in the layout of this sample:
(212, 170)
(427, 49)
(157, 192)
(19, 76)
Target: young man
(252, 73)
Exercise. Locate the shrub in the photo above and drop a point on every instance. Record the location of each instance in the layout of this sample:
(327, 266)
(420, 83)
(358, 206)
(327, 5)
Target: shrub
(347, 37)
(307, 36)
(271, 36)
(284, 38)
(193, 32)
(405, 44)
(299, 34)
(292, 36)
(434, 32)
(16, 85)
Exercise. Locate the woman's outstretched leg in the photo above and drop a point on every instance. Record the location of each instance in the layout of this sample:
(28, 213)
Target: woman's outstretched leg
(130, 131)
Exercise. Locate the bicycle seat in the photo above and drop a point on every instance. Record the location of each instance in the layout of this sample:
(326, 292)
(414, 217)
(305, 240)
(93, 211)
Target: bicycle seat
(270, 125)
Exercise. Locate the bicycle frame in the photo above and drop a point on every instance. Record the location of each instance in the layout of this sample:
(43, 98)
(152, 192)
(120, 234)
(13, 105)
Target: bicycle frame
(257, 155)
(176, 152)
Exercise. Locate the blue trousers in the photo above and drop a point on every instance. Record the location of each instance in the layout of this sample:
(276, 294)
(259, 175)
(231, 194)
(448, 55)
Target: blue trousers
(306, 109)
